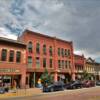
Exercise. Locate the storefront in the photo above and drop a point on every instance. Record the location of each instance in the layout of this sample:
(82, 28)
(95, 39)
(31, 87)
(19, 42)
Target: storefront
(11, 77)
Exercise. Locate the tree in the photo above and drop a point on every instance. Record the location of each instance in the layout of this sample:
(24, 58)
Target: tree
(46, 77)
(86, 76)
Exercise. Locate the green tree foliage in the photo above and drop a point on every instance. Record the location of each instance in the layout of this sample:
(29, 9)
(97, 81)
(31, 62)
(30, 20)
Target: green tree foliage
(86, 76)
(46, 77)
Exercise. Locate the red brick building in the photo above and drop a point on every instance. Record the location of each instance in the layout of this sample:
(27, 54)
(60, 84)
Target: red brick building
(54, 54)
(12, 63)
(79, 61)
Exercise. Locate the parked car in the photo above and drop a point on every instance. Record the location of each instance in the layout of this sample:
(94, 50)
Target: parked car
(74, 85)
(98, 83)
(88, 83)
(58, 86)
(2, 90)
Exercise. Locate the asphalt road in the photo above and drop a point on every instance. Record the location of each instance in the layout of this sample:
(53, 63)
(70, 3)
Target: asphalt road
(78, 94)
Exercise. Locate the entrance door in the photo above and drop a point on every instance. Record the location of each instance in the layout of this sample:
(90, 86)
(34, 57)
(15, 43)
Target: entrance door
(7, 81)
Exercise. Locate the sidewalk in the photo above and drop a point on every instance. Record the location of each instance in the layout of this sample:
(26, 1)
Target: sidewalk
(22, 92)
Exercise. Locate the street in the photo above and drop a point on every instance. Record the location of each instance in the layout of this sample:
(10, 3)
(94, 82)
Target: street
(79, 94)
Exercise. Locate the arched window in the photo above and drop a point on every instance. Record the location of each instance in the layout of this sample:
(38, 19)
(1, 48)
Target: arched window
(37, 48)
(30, 47)
(44, 49)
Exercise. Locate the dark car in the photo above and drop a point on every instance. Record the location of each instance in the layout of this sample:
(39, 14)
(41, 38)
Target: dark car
(74, 85)
(58, 86)
(2, 90)
(88, 83)
(98, 83)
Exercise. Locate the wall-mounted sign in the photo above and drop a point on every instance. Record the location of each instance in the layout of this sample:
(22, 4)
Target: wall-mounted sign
(9, 70)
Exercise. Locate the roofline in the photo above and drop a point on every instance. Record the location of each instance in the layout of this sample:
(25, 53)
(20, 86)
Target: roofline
(47, 36)
(78, 55)
(12, 41)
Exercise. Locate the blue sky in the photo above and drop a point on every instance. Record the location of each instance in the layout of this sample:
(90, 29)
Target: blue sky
(73, 20)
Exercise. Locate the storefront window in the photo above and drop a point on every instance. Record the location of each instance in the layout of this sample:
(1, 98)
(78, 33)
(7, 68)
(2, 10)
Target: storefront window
(11, 57)
(4, 55)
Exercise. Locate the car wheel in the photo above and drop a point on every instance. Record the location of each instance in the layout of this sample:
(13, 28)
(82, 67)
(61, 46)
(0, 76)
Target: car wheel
(74, 87)
(51, 90)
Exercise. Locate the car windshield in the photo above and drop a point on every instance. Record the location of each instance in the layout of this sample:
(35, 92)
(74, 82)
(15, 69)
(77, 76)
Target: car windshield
(59, 83)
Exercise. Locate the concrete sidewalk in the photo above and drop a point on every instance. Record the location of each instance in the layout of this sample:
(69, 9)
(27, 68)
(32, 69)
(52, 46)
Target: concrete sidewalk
(21, 92)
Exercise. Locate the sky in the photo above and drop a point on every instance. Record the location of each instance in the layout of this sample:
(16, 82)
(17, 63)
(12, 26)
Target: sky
(71, 20)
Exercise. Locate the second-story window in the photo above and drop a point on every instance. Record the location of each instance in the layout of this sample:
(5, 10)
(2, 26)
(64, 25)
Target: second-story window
(38, 48)
(68, 52)
(29, 62)
(37, 62)
(63, 64)
(11, 56)
(65, 52)
(44, 49)
(66, 64)
(58, 51)
(69, 64)
(44, 62)
(59, 64)
(50, 50)
(30, 47)
(50, 63)
(4, 55)
(62, 52)
(18, 56)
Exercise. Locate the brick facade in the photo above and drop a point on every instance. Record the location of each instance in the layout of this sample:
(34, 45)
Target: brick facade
(40, 52)
(55, 43)
(79, 62)
(12, 68)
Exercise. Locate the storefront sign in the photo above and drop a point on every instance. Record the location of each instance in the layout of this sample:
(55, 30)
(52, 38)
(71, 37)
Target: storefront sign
(9, 70)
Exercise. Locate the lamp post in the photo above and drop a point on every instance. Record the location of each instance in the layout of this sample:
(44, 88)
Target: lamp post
(95, 72)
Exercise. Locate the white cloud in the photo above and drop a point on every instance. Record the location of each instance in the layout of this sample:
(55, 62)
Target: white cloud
(75, 20)
(7, 34)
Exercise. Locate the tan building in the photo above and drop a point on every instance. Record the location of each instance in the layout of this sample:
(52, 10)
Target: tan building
(90, 65)
(93, 68)
(97, 71)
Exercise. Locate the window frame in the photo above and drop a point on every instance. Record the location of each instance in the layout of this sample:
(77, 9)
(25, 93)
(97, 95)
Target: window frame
(11, 58)
(38, 48)
(4, 56)
(18, 61)
(30, 47)
(44, 63)
(44, 49)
